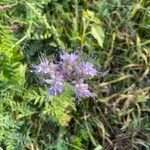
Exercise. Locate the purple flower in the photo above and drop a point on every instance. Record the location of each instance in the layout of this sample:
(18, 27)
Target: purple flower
(70, 59)
(54, 71)
(47, 67)
(57, 85)
(70, 69)
(43, 67)
(87, 69)
(68, 65)
(52, 91)
(56, 89)
(81, 90)
(48, 81)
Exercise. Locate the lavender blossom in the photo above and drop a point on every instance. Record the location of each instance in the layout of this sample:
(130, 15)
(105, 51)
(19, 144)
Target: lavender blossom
(56, 89)
(52, 91)
(43, 67)
(69, 69)
(82, 90)
(56, 83)
(87, 69)
(68, 65)
(59, 87)
(47, 67)
(70, 59)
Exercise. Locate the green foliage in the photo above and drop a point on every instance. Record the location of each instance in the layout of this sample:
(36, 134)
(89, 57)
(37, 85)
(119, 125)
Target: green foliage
(12, 80)
(61, 107)
(11, 68)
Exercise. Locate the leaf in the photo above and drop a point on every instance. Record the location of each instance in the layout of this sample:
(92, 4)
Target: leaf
(88, 14)
(98, 33)
(99, 147)
(61, 107)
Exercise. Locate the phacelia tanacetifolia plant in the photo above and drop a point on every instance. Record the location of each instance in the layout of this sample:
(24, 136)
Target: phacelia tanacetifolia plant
(69, 69)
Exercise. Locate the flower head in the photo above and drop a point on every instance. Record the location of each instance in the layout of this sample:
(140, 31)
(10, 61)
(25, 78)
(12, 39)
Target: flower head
(87, 69)
(52, 91)
(57, 85)
(81, 90)
(56, 89)
(69, 69)
(68, 65)
(43, 67)
(69, 58)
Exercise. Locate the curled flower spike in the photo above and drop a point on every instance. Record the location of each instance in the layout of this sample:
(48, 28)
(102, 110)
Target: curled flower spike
(57, 85)
(52, 91)
(88, 69)
(70, 59)
(82, 90)
(57, 89)
(43, 67)
(69, 69)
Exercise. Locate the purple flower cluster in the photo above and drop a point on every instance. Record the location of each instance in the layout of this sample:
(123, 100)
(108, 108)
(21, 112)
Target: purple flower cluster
(70, 69)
